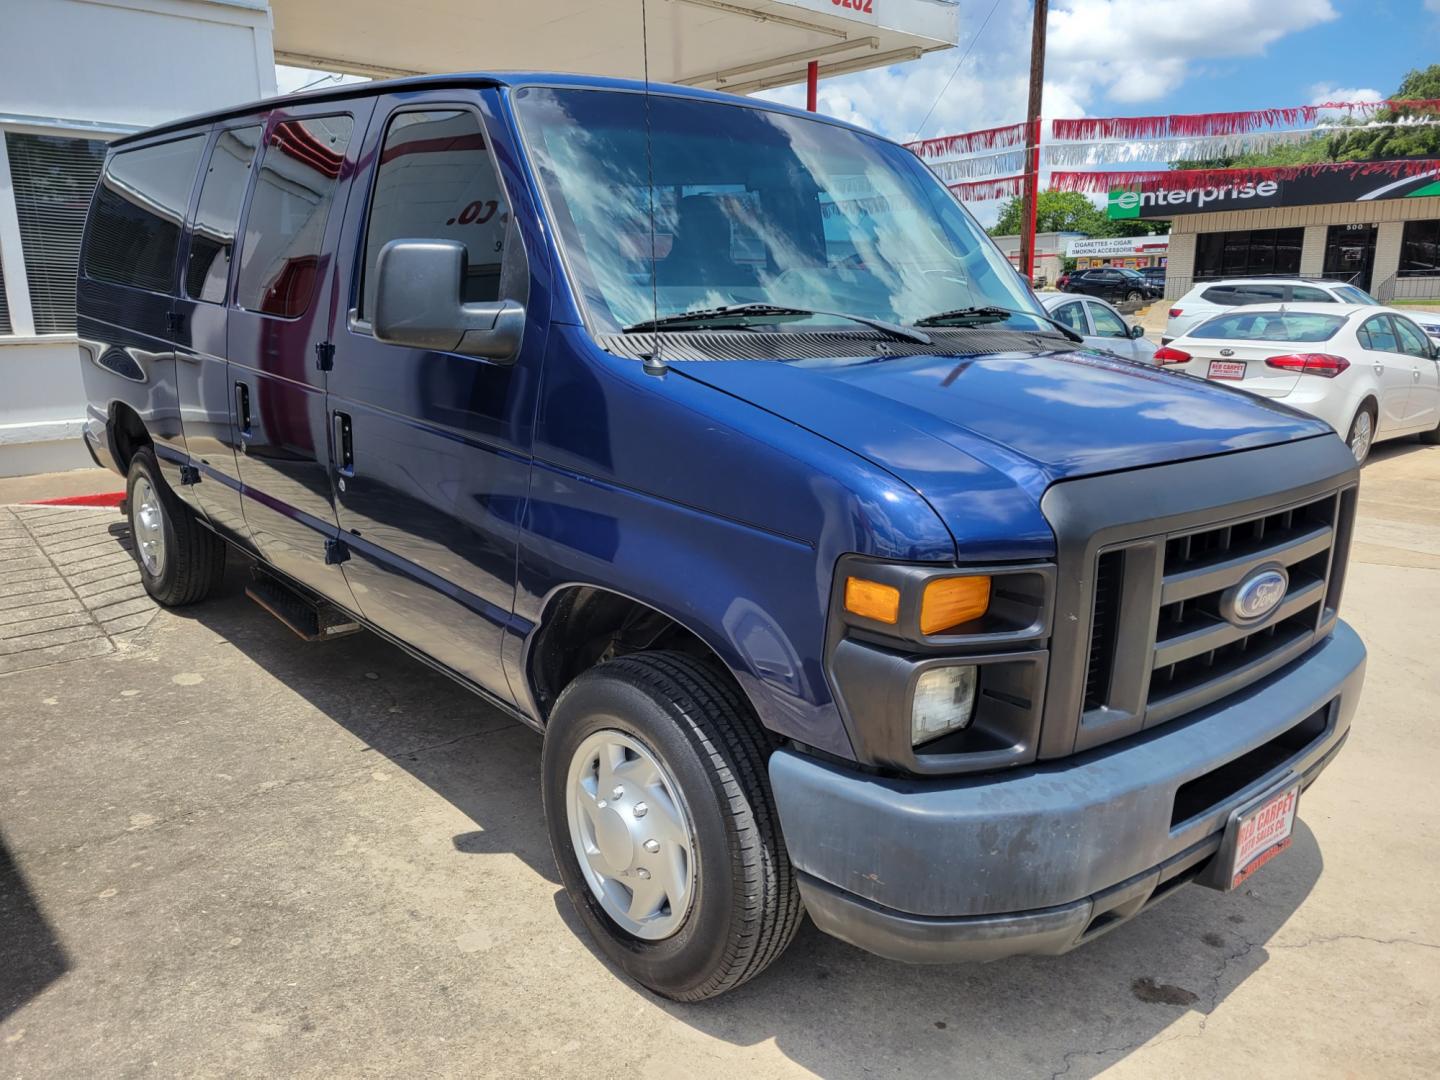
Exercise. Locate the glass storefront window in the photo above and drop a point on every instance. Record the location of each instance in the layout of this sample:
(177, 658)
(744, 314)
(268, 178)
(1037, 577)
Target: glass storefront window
(1247, 253)
(1420, 249)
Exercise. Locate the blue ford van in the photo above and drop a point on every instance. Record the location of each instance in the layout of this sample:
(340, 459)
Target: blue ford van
(717, 442)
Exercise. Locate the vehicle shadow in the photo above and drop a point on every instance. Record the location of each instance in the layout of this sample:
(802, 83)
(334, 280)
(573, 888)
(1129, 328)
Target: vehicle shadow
(830, 1008)
(31, 956)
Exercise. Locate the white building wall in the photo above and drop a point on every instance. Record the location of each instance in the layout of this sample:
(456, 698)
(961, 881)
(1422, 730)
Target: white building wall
(98, 69)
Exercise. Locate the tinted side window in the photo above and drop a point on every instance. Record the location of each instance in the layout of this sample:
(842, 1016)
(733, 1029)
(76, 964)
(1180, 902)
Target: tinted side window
(1107, 323)
(135, 225)
(1376, 334)
(1261, 294)
(1412, 341)
(435, 181)
(1223, 295)
(285, 230)
(221, 192)
(1072, 316)
(1308, 294)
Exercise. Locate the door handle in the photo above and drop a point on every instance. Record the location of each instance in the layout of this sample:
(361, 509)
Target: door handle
(242, 413)
(344, 444)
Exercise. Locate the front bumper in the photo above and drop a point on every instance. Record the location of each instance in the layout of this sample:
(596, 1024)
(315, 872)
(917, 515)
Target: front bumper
(1042, 858)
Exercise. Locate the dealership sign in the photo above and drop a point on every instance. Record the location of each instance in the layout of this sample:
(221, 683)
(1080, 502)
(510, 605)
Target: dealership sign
(1158, 201)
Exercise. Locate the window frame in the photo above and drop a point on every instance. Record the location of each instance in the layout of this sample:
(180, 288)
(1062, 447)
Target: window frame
(181, 242)
(373, 151)
(262, 121)
(1381, 317)
(276, 116)
(1399, 322)
(12, 245)
(1084, 331)
(1095, 326)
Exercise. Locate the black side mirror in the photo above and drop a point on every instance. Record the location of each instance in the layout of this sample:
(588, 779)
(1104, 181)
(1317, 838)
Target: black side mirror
(1137, 331)
(419, 303)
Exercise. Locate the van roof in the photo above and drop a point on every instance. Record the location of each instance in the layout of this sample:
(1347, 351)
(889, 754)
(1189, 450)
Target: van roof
(473, 79)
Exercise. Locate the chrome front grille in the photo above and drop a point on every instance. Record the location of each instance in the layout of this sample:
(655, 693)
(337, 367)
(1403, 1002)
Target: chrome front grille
(1199, 654)
(1175, 649)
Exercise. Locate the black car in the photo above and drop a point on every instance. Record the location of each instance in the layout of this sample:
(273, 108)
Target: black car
(1154, 277)
(1113, 283)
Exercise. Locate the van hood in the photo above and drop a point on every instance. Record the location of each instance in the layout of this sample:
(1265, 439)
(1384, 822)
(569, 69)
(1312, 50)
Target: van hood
(982, 437)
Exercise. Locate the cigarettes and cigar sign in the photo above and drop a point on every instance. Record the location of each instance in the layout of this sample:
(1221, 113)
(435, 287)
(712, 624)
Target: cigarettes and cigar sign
(1158, 201)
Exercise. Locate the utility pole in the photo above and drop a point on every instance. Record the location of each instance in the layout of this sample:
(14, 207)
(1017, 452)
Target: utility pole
(1032, 139)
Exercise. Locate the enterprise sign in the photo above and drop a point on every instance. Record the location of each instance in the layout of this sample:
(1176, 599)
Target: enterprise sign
(1162, 202)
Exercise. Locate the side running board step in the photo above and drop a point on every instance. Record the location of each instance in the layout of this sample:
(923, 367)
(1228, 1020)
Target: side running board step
(310, 618)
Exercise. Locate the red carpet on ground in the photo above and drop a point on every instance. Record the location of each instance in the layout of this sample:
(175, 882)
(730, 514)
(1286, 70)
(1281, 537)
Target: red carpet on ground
(107, 498)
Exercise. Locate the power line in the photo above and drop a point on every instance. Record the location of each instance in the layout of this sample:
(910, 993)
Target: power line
(920, 131)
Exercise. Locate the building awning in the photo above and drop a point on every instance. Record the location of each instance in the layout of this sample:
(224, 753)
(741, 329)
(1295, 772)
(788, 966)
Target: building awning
(735, 45)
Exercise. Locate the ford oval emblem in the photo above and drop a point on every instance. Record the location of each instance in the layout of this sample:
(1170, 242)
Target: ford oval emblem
(1256, 596)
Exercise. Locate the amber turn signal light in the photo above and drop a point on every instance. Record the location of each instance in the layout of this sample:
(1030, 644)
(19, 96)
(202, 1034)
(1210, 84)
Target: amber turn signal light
(952, 601)
(872, 600)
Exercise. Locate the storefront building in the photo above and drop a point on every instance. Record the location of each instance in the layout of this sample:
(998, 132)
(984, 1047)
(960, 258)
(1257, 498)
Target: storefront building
(1376, 232)
(1050, 251)
(1129, 252)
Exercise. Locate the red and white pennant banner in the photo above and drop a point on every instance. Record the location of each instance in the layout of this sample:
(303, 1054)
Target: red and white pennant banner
(969, 142)
(1005, 187)
(1188, 179)
(1193, 125)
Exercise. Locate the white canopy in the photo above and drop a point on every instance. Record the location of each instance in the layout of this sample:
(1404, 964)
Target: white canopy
(735, 45)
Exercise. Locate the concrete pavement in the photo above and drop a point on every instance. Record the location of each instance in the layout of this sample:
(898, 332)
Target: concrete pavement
(223, 852)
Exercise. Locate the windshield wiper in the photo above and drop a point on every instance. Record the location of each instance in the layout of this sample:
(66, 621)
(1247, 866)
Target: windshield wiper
(695, 320)
(988, 314)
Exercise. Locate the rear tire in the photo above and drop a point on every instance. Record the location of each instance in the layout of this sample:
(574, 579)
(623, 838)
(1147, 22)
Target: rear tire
(181, 561)
(1362, 433)
(1432, 436)
(704, 751)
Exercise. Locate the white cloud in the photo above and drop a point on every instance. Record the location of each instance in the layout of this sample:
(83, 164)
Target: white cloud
(1139, 50)
(1100, 53)
(1118, 51)
(1321, 93)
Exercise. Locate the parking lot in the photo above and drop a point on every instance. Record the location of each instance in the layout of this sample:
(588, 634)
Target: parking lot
(223, 852)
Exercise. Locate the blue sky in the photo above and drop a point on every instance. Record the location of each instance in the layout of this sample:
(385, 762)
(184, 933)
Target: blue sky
(1142, 57)
(1135, 57)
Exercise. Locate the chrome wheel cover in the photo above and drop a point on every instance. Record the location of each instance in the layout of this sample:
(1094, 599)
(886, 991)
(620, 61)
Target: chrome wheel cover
(148, 522)
(631, 834)
(1361, 436)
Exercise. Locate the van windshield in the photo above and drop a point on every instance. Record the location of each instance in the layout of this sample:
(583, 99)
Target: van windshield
(752, 206)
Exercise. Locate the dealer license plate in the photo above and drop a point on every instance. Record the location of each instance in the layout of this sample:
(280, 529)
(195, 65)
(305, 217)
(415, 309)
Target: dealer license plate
(1262, 833)
(1227, 369)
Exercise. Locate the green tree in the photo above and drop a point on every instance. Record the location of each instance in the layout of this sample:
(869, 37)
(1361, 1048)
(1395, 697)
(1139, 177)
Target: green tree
(1055, 211)
(1069, 211)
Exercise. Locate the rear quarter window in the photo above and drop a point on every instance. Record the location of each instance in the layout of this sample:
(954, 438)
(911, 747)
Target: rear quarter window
(139, 212)
(1270, 326)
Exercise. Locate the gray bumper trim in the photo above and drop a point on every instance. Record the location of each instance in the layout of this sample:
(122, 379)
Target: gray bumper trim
(1051, 835)
(918, 939)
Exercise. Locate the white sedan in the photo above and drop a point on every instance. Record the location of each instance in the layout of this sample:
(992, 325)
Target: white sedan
(1367, 371)
(1100, 325)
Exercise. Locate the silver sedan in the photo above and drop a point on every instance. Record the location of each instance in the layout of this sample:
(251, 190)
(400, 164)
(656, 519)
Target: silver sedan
(1100, 325)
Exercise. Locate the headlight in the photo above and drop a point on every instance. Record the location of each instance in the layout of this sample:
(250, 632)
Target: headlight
(944, 702)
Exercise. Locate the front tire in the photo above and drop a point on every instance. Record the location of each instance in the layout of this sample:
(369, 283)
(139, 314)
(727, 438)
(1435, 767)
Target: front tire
(1362, 433)
(662, 822)
(181, 561)
(1132, 295)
